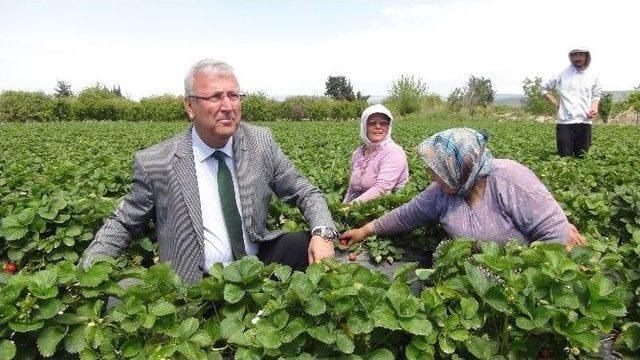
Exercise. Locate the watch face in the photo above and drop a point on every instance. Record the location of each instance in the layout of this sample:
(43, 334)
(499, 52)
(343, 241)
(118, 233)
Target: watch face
(325, 232)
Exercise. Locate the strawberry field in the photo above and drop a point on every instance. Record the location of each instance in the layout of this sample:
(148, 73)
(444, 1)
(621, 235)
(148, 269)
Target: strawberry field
(58, 182)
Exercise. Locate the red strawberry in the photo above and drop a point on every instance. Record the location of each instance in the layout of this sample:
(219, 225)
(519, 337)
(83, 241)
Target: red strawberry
(10, 268)
(352, 257)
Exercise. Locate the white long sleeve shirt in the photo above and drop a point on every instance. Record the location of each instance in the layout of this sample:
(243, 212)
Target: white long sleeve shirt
(577, 90)
(217, 247)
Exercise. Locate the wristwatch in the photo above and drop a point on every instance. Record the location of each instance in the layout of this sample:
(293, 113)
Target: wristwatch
(328, 233)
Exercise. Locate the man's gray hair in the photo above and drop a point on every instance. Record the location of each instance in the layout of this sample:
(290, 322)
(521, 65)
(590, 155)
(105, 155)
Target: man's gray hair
(210, 66)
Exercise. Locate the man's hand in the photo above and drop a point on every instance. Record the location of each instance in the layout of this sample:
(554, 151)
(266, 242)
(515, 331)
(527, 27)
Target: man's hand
(319, 249)
(552, 99)
(575, 238)
(593, 111)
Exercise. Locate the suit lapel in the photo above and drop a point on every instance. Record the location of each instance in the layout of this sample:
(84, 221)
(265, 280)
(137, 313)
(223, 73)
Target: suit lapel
(186, 174)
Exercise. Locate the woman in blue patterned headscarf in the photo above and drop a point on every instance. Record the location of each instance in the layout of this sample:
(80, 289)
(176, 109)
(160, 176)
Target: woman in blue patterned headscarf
(476, 196)
(458, 157)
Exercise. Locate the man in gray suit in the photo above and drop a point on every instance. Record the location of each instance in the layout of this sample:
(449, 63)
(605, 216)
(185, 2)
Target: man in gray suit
(208, 190)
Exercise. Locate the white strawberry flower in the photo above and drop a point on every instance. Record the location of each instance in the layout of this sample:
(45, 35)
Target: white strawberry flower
(257, 317)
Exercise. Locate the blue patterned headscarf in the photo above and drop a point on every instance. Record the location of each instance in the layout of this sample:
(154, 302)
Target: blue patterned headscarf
(458, 156)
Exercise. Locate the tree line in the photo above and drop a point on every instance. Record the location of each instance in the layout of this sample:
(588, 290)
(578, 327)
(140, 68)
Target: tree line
(408, 94)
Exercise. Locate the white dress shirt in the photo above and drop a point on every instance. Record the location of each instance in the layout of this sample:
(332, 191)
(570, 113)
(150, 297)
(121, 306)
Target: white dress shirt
(577, 89)
(217, 247)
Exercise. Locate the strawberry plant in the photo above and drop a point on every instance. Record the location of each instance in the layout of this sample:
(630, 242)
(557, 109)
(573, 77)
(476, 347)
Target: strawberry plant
(59, 181)
(512, 301)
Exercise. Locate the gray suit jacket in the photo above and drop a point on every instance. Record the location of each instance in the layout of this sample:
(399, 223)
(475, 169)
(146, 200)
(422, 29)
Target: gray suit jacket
(165, 189)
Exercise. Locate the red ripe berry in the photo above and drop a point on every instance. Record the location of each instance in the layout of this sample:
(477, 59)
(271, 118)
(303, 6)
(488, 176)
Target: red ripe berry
(343, 242)
(352, 257)
(10, 268)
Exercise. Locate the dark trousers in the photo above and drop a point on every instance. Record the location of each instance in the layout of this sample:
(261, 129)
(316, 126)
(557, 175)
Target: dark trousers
(287, 249)
(573, 139)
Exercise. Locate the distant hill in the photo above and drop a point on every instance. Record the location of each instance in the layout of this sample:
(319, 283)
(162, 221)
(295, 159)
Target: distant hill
(508, 99)
(499, 99)
(516, 99)
(620, 94)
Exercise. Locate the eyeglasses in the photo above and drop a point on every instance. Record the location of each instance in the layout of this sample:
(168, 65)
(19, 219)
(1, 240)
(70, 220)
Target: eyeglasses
(217, 97)
(377, 123)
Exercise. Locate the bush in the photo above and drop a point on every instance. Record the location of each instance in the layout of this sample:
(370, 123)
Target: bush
(283, 111)
(294, 108)
(23, 106)
(100, 104)
(345, 110)
(534, 102)
(605, 105)
(634, 100)
(431, 102)
(300, 108)
(631, 102)
(320, 109)
(96, 93)
(258, 107)
(616, 108)
(162, 108)
(63, 108)
(106, 110)
(405, 94)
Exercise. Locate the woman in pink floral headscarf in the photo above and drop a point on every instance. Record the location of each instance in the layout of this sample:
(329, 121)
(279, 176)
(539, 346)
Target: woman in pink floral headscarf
(379, 165)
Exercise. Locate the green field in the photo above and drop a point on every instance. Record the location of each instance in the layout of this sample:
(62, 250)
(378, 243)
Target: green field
(60, 180)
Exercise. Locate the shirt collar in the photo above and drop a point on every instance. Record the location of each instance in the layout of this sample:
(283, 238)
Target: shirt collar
(202, 151)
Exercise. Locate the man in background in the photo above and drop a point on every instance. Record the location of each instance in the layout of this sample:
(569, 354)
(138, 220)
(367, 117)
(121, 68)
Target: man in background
(578, 91)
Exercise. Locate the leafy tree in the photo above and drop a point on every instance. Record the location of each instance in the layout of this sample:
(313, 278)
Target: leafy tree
(406, 93)
(455, 100)
(339, 88)
(63, 89)
(478, 92)
(605, 105)
(533, 101)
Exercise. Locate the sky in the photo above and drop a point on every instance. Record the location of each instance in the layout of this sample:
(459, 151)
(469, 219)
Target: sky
(287, 48)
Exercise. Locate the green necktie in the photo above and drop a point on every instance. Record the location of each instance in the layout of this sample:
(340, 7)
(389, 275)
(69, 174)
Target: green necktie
(229, 207)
